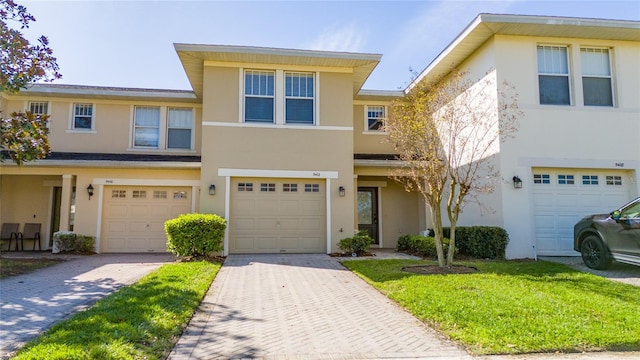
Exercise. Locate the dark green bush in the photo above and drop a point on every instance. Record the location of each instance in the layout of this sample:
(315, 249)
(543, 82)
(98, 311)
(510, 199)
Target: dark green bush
(195, 234)
(481, 242)
(424, 246)
(358, 244)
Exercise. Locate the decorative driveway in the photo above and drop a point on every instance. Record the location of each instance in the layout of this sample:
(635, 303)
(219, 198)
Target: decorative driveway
(303, 306)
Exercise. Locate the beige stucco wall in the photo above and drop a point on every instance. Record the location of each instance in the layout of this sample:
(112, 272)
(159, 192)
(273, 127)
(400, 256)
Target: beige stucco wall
(113, 121)
(368, 142)
(279, 150)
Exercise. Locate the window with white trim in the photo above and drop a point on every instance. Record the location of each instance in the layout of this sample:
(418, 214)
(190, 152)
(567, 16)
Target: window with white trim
(566, 180)
(312, 188)
(375, 118)
(268, 187)
(289, 187)
(596, 77)
(589, 179)
(259, 96)
(299, 98)
(147, 126)
(82, 117)
(39, 107)
(553, 75)
(179, 128)
(614, 180)
(245, 186)
(541, 179)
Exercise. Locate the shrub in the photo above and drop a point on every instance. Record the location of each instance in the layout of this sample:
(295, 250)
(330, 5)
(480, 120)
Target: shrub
(67, 241)
(481, 242)
(195, 234)
(357, 244)
(424, 246)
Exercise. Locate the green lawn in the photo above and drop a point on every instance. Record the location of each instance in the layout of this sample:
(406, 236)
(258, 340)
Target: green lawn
(18, 266)
(515, 307)
(141, 321)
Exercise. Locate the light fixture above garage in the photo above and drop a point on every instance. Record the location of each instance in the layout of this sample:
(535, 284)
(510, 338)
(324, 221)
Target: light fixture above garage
(212, 189)
(341, 191)
(517, 182)
(90, 191)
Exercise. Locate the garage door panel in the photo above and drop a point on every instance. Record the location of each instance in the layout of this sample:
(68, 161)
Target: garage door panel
(243, 243)
(559, 204)
(159, 211)
(139, 211)
(263, 206)
(266, 225)
(135, 228)
(179, 210)
(116, 227)
(114, 211)
(267, 242)
(278, 219)
(289, 207)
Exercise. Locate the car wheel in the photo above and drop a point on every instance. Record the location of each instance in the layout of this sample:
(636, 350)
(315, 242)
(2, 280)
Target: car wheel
(594, 253)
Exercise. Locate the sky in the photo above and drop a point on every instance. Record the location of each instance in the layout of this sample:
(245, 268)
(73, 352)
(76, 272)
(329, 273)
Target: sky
(130, 43)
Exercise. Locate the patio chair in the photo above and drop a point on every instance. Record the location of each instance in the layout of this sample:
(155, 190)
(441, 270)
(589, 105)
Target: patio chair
(9, 232)
(31, 232)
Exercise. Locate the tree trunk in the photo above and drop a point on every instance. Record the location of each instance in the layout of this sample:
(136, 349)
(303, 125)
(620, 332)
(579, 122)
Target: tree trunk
(436, 219)
(452, 242)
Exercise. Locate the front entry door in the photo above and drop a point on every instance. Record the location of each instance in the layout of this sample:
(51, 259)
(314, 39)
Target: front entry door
(368, 212)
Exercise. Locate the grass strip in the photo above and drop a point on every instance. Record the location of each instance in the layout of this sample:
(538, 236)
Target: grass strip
(141, 321)
(17, 266)
(514, 307)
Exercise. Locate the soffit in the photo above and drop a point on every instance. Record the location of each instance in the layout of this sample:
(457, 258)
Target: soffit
(485, 26)
(193, 57)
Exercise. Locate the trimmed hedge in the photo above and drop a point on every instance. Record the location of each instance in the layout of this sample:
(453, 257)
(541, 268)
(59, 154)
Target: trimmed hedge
(195, 234)
(424, 246)
(480, 242)
(68, 241)
(358, 244)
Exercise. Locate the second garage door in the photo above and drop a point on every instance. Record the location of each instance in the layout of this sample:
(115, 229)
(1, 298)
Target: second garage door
(277, 216)
(561, 197)
(133, 217)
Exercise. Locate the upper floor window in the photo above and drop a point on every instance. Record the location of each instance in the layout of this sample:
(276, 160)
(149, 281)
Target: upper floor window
(83, 117)
(299, 90)
(375, 118)
(596, 77)
(259, 96)
(163, 128)
(147, 126)
(179, 126)
(553, 75)
(39, 107)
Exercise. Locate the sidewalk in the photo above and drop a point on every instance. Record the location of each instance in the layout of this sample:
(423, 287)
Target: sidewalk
(31, 303)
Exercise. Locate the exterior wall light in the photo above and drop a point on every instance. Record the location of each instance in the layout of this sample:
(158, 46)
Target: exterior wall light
(90, 191)
(212, 189)
(517, 182)
(341, 191)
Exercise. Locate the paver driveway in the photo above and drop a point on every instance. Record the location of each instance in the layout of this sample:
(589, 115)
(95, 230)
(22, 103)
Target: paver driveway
(302, 306)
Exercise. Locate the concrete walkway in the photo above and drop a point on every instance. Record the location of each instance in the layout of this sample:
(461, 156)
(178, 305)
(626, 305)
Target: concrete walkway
(31, 303)
(303, 306)
(624, 273)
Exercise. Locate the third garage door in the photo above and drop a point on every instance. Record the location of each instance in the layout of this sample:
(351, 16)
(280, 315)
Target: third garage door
(561, 197)
(277, 216)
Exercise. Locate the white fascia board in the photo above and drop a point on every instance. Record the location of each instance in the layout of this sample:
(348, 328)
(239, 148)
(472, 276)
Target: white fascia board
(293, 174)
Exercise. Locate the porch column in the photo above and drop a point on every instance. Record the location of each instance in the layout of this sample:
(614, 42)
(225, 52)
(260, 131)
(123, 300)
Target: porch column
(65, 201)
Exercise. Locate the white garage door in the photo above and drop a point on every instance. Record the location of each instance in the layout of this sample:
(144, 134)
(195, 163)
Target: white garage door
(564, 196)
(133, 217)
(277, 216)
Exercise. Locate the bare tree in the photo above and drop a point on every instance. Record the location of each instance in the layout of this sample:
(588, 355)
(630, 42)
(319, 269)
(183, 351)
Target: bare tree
(448, 135)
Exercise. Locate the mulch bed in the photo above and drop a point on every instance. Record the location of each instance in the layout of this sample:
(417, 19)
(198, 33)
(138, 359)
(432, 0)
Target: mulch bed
(437, 270)
(350, 255)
